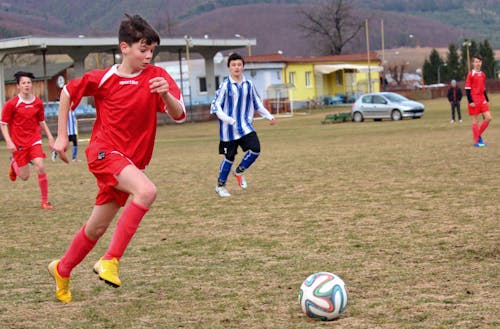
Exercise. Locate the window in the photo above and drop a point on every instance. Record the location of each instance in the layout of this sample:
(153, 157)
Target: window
(308, 79)
(291, 77)
(203, 84)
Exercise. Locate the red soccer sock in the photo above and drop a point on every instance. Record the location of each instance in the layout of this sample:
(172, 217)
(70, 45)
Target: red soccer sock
(78, 249)
(483, 127)
(44, 187)
(475, 132)
(14, 165)
(125, 229)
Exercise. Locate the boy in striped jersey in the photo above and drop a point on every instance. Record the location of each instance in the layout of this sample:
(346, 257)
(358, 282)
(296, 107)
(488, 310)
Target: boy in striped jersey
(73, 134)
(234, 104)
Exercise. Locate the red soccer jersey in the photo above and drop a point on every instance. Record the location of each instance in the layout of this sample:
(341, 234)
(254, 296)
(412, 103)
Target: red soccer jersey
(126, 109)
(23, 118)
(476, 82)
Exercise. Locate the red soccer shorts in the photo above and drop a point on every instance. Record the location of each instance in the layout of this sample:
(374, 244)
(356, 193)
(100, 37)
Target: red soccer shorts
(479, 108)
(25, 155)
(105, 165)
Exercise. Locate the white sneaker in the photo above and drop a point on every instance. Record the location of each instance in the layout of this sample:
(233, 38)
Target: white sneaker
(452, 121)
(460, 121)
(222, 191)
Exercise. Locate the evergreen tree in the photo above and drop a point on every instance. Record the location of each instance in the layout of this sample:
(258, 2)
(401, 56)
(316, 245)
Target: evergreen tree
(432, 66)
(488, 55)
(454, 69)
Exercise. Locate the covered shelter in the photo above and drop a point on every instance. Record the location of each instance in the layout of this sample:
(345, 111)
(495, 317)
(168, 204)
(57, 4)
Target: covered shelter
(79, 47)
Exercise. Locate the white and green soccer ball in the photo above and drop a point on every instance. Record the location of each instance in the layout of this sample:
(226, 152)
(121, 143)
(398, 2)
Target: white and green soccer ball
(323, 295)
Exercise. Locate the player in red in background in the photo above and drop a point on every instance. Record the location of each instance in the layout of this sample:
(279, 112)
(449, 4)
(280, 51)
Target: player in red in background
(127, 98)
(475, 88)
(22, 117)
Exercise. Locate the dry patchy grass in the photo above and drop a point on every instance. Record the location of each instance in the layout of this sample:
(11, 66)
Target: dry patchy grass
(405, 212)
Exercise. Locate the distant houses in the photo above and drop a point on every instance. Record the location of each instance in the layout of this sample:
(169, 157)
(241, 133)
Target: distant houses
(292, 81)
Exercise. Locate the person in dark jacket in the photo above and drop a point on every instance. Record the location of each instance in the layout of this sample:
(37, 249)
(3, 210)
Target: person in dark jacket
(455, 96)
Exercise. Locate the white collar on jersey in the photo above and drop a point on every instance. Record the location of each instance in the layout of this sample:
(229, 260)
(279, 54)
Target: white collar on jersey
(237, 82)
(26, 100)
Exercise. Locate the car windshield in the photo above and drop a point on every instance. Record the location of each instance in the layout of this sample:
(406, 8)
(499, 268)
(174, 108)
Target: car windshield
(396, 98)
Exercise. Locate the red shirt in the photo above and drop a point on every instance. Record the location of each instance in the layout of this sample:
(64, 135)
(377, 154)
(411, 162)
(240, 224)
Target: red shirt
(476, 82)
(126, 109)
(23, 118)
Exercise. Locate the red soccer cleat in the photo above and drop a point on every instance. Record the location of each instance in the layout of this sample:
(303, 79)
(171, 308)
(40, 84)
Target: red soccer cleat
(47, 205)
(12, 173)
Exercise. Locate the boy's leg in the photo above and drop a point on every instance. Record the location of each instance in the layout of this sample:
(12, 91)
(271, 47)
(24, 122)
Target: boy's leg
(485, 123)
(251, 144)
(134, 182)
(82, 243)
(43, 182)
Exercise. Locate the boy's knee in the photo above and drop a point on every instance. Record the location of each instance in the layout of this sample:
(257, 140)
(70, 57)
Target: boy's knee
(147, 195)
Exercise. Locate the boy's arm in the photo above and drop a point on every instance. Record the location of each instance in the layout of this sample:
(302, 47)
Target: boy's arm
(61, 143)
(216, 107)
(48, 134)
(486, 96)
(175, 107)
(11, 147)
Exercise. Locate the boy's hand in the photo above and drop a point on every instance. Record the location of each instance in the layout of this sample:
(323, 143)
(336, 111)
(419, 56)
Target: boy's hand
(159, 85)
(61, 146)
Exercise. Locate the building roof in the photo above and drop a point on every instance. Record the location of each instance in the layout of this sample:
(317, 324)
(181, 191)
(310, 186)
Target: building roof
(52, 70)
(277, 57)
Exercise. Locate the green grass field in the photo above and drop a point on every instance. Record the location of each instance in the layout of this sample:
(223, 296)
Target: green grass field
(407, 213)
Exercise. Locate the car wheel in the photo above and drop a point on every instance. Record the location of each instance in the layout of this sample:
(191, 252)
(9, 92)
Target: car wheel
(396, 115)
(357, 117)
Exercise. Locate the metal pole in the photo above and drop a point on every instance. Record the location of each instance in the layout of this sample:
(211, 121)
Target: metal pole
(368, 56)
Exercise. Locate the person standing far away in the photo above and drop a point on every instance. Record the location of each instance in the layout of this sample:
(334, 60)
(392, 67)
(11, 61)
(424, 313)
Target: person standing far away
(235, 102)
(475, 88)
(454, 97)
(127, 98)
(22, 117)
(73, 134)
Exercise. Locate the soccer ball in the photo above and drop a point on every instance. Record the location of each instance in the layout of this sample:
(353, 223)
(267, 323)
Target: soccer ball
(323, 295)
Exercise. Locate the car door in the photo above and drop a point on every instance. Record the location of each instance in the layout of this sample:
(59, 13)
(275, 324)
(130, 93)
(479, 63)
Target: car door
(381, 107)
(367, 106)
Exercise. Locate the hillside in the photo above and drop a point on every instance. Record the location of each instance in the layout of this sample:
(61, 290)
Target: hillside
(273, 23)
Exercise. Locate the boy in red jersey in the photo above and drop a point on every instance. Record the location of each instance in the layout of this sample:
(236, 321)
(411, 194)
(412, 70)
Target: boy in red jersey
(127, 98)
(475, 88)
(22, 117)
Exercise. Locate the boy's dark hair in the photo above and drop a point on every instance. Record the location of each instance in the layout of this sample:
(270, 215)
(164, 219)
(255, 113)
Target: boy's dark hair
(478, 57)
(20, 74)
(135, 28)
(234, 57)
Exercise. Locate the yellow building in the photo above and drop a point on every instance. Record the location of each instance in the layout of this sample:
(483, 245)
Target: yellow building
(317, 78)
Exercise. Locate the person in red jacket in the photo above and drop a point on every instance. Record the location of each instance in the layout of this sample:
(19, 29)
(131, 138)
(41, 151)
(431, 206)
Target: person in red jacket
(475, 88)
(22, 117)
(127, 98)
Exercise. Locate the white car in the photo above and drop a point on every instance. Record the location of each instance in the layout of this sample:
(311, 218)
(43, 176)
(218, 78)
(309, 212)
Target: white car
(385, 105)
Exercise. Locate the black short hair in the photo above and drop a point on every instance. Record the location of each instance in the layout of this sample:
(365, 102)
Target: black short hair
(20, 74)
(478, 57)
(235, 57)
(135, 28)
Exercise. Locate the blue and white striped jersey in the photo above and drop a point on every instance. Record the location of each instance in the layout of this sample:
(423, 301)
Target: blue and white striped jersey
(72, 124)
(235, 104)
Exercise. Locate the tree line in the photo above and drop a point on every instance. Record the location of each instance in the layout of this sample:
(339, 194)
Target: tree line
(455, 66)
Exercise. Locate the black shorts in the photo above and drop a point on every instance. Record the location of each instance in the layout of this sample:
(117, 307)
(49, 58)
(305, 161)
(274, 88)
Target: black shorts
(247, 142)
(73, 139)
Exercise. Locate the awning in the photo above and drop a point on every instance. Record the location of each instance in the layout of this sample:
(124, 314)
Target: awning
(329, 68)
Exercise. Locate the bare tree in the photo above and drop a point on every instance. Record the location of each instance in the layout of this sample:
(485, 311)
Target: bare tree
(333, 22)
